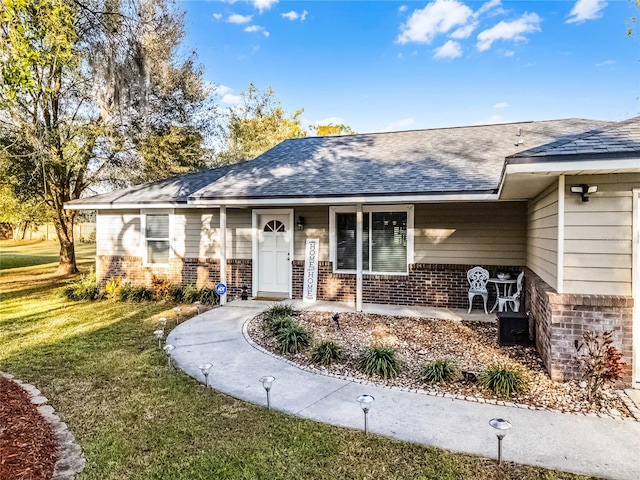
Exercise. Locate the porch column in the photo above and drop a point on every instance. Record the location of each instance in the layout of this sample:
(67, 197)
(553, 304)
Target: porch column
(359, 257)
(223, 251)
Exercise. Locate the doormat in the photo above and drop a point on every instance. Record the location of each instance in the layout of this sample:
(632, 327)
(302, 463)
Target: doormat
(269, 299)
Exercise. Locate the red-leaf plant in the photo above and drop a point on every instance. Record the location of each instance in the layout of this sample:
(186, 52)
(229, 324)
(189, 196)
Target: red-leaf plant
(600, 362)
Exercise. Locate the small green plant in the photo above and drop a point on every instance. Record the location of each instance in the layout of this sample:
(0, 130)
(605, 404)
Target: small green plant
(503, 380)
(133, 293)
(275, 324)
(293, 338)
(279, 310)
(441, 370)
(86, 288)
(326, 353)
(600, 362)
(379, 360)
(208, 296)
(112, 288)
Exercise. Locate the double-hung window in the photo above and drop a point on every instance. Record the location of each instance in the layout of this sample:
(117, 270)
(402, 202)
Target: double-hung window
(157, 242)
(387, 238)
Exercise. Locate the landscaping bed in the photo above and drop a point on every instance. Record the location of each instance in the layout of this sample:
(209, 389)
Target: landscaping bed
(417, 341)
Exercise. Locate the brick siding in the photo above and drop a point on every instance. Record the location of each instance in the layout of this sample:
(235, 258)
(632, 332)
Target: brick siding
(561, 319)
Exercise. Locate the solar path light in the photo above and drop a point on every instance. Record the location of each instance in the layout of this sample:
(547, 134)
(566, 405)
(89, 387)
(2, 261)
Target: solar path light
(159, 334)
(162, 322)
(204, 368)
(178, 314)
(267, 382)
(197, 304)
(502, 427)
(365, 402)
(168, 348)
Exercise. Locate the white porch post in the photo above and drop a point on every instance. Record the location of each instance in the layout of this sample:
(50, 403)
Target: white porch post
(223, 251)
(359, 258)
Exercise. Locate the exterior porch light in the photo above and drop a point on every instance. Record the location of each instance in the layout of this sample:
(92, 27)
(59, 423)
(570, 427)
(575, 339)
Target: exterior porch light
(267, 383)
(204, 368)
(168, 348)
(502, 427)
(159, 335)
(300, 223)
(584, 190)
(365, 402)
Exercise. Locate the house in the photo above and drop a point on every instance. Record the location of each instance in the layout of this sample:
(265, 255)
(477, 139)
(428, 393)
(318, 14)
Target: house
(401, 217)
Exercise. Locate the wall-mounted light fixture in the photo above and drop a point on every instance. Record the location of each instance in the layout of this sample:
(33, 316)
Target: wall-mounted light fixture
(300, 223)
(584, 190)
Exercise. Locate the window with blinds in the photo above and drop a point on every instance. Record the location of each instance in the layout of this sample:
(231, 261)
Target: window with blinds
(384, 241)
(157, 238)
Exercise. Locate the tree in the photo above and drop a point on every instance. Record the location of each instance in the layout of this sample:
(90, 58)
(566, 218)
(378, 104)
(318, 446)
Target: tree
(257, 125)
(332, 130)
(20, 214)
(91, 90)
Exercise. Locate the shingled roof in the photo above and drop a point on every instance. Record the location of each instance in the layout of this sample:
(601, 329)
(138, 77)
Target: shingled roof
(435, 161)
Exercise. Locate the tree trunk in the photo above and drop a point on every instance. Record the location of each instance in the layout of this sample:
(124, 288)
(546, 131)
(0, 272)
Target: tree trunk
(64, 230)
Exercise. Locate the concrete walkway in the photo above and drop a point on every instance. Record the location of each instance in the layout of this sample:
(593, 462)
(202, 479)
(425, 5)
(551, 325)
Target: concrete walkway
(601, 447)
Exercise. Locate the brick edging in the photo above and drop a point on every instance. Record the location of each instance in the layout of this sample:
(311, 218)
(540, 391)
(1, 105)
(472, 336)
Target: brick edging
(70, 459)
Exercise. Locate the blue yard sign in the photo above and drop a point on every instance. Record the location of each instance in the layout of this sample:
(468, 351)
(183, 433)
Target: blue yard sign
(221, 289)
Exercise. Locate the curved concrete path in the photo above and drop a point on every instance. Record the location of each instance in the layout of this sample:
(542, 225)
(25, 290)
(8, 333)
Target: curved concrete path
(603, 447)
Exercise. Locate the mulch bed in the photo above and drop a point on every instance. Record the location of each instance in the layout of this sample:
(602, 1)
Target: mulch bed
(27, 444)
(472, 345)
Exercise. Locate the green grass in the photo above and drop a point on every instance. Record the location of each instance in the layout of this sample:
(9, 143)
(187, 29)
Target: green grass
(135, 418)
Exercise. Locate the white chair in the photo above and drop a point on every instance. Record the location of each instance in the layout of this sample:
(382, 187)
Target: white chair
(478, 278)
(514, 299)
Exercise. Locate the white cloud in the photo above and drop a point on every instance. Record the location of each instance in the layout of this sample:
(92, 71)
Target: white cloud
(501, 105)
(217, 16)
(223, 89)
(231, 99)
(450, 49)
(584, 10)
(293, 15)
(263, 5)
(514, 30)
(239, 19)
(491, 120)
(490, 5)
(331, 121)
(256, 28)
(606, 62)
(403, 8)
(464, 31)
(509, 53)
(439, 16)
(398, 125)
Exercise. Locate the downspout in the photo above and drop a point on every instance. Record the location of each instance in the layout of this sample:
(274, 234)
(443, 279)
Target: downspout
(359, 257)
(560, 245)
(223, 251)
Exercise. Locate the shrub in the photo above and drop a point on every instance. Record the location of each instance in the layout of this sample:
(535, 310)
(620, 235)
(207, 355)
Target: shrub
(600, 362)
(86, 288)
(380, 361)
(279, 310)
(112, 288)
(131, 293)
(161, 288)
(293, 339)
(275, 324)
(326, 353)
(185, 294)
(503, 380)
(208, 296)
(442, 370)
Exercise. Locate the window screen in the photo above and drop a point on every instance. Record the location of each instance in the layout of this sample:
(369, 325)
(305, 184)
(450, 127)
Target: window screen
(157, 238)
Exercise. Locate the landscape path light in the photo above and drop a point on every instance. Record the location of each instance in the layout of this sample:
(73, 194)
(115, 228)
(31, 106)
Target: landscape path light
(177, 311)
(159, 334)
(502, 427)
(162, 322)
(267, 382)
(366, 401)
(168, 348)
(197, 305)
(204, 368)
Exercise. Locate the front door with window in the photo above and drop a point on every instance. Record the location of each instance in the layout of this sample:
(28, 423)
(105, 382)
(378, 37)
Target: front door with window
(274, 263)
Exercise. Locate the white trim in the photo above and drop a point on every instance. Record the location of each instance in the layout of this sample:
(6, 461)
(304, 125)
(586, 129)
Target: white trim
(602, 165)
(409, 209)
(635, 288)
(560, 247)
(143, 234)
(223, 251)
(359, 219)
(254, 245)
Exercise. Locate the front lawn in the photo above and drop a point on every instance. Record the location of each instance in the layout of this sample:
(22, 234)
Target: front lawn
(134, 417)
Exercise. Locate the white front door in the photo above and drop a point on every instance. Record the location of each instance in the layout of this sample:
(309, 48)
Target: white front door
(274, 262)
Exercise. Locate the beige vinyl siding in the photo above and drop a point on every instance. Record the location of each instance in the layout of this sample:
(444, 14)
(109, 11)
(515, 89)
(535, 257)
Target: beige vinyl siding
(196, 233)
(599, 235)
(542, 236)
(316, 225)
(239, 230)
(472, 233)
(118, 233)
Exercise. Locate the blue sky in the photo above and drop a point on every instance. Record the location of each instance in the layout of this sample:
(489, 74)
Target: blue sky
(398, 65)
